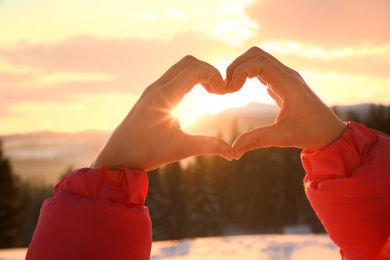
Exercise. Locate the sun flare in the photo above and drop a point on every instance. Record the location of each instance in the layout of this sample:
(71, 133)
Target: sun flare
(199, 102)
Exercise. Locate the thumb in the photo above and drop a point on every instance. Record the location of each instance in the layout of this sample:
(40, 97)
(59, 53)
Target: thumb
(202, 145)
(260, 137)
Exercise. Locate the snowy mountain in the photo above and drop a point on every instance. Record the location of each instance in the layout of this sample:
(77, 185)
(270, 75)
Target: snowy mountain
(45, 156)
(242, 118)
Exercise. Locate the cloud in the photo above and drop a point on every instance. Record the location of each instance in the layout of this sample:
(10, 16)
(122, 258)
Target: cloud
(327, 23)
(88, 65)
(118, 56)
(364, 60)
(177, 15)
(44, 21)
(118, 52)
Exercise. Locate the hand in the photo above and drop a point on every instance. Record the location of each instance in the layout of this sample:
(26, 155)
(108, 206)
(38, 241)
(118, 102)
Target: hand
(304, 121)
(150, 136)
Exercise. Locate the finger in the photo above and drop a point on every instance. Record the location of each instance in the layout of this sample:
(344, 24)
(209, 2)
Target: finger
(260, 66)
(275, 97)
(262, 81)
(257, 138)
(207, 145)
(176, 68)
(248, 55)
(208, 76)
(190, 76)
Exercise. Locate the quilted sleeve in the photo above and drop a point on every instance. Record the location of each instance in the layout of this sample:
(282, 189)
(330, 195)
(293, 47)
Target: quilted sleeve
(95, 214)
(348, 186)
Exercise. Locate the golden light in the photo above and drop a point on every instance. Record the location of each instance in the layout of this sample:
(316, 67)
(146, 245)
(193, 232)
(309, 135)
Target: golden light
(37, 30)
(199, 102)
(57, 20)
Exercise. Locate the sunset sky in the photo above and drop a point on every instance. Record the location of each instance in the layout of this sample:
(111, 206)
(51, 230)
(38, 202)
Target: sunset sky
(70, 65)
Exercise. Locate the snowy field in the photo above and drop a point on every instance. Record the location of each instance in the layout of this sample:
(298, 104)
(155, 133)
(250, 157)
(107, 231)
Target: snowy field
(253, 247)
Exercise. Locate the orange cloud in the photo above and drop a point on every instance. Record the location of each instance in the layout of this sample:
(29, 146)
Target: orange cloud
(89, 65)
(326, 23)
(351, 61)
(82, 66)
(100, 60)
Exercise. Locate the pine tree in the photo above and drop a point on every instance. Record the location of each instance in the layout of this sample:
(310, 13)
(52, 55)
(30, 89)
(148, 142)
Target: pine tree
(34, 193)
(386, 120)
(166, 202)
(173, 192)
(11, 206)
(66, 173)
(352, 116)
(204, 206)
(155, 201)
(378, 118)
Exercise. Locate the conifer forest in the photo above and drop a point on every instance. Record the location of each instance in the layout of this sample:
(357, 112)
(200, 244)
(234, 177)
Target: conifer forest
(204, 196)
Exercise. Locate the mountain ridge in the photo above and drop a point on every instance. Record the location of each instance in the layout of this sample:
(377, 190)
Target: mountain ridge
(48, 154)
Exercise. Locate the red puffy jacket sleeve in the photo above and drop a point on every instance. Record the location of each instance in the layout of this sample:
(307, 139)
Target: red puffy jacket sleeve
(95, 214)
(348, 186)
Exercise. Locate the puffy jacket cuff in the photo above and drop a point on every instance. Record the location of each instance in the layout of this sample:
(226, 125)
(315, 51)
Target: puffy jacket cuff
(342, 157)
(122, 186)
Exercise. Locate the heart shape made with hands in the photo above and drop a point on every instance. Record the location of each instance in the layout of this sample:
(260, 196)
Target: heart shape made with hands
(150, 136)
(297, 124)
(225, 124)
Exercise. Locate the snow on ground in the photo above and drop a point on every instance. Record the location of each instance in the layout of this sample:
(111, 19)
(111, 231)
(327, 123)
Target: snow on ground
(259, 247)
(250, 247)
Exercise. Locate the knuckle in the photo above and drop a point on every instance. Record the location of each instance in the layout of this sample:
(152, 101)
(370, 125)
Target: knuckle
(294, 73)
(262, 59)
(294, 76)
(189, 59)
(193, 66)
(255, 50)
(149, 91)
(159, 95)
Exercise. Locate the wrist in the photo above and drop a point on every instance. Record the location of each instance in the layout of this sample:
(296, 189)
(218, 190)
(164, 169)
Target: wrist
(334, 133)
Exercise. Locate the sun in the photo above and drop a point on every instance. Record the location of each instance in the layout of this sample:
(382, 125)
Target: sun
(199, 102)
